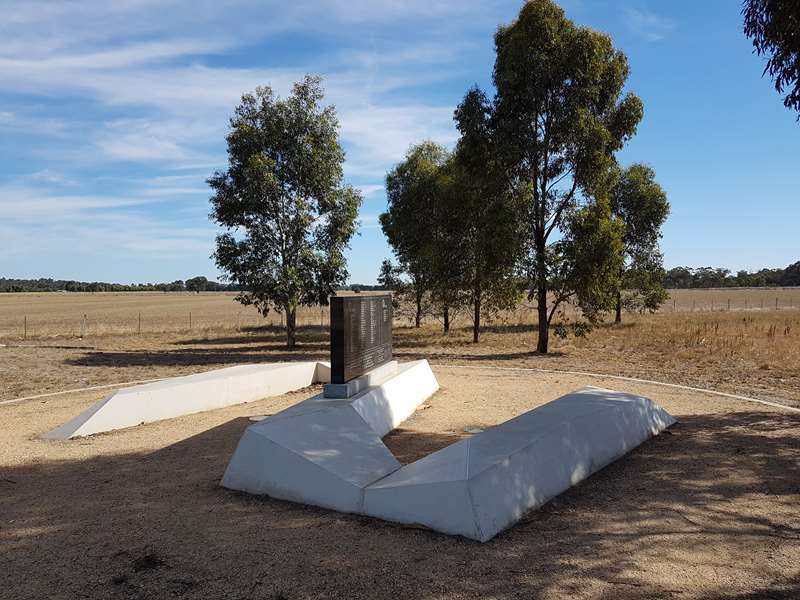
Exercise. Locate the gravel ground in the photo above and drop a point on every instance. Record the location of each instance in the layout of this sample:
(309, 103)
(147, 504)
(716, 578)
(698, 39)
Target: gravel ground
(707, 510)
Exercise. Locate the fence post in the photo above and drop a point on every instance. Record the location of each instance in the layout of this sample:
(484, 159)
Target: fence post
(776, 304)
(25, 328)
(139, 326)
(762, 304)
(693, 303)
(190, 320)
(729, 305)
(673, 305)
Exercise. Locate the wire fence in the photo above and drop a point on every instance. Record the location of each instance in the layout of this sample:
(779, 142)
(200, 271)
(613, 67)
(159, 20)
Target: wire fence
(19, 325)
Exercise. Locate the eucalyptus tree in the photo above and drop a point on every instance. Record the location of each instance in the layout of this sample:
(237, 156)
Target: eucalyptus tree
(586, 266)
(484, 217)
(558, 117)
(642, 206)
(286, 214)
(411, 221)
(774, 28)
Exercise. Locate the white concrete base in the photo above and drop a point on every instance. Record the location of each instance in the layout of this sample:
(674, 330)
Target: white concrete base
(329, 453)
(324, 451)
(482, 485)
(190, 394)
(355, 386)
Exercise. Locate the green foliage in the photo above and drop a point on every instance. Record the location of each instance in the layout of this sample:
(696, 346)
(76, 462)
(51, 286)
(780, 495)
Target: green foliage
(483, 216)
(412, 223)
(558, 119)
(197, 284)
(642, 206)
(708, 277)
(288, 217)
(774, 28)
(63, 285)
(586, 267)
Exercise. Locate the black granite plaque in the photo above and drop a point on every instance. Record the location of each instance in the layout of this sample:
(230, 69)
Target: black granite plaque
(361, 335)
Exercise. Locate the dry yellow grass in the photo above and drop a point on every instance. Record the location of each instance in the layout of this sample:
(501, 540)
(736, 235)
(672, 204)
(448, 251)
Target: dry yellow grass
(748, 352)
(52, 315)
(61, 315)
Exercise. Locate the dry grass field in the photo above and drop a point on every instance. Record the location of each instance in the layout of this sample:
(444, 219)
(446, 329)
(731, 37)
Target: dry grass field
(65, 315)
(751, 351)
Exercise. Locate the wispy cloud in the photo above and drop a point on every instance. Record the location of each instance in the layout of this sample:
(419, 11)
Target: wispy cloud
(117, 111)
(648, 25)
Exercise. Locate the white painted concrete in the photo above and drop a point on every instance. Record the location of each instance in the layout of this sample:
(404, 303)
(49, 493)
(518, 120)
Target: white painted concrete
(323, 457)
(480, 486)
(179, 396)
(326, 451)
(359, 384)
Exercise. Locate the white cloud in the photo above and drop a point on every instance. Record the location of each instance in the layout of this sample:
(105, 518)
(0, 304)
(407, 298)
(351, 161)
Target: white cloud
(144, 85)
(647, 24)
(371, 189)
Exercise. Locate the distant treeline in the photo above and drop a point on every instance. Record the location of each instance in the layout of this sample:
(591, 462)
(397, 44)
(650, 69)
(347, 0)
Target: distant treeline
(194, 284)
(709, 277)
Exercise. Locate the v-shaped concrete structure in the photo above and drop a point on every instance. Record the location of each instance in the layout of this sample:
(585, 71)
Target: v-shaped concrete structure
(329, 453)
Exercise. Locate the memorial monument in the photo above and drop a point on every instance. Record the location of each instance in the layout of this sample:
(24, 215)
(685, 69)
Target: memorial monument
(361, 344)
(328, 451)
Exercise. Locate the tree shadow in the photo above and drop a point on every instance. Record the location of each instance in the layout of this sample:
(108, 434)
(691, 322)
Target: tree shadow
(193, 357)
(307, 335)
(718, 493)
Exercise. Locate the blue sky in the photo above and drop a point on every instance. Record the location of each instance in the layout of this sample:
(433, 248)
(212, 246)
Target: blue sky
(113, 114)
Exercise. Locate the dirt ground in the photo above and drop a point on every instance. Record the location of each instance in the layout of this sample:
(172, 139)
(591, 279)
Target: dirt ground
(706, 510)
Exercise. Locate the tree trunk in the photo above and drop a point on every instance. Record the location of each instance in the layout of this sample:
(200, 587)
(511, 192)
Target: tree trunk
(446, 316)
(291, 327)
(419, 309)
(618, 317)
(541, 293)
(476, 319)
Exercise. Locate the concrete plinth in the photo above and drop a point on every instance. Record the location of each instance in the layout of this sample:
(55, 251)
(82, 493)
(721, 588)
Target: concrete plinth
(359, 384)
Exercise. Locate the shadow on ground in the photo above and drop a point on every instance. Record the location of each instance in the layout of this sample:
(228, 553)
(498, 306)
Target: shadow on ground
(268, 344)
(712, 501)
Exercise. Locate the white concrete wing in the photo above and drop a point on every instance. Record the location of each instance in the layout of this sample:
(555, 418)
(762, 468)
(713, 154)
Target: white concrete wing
(190, 394)
(325, 452)
(324, 457)
(480, 486)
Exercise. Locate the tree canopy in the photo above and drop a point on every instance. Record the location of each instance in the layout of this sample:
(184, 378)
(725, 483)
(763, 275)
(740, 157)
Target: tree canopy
(484, 215)
(642, 206)
(287, 216)
(559, 116)
(774, 28)
(414, 191)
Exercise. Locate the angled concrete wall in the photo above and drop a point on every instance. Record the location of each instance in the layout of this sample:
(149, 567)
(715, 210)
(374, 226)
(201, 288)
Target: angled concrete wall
(190, 394)
(480, 486)
(325, 451)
